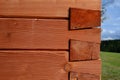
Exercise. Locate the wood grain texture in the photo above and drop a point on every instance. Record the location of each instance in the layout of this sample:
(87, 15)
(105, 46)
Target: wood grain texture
(20, 33)
(83, 18)
(73, 76)
(82, 50)
(95, 51)
(44, 8)
(33, 65)
(86, 70)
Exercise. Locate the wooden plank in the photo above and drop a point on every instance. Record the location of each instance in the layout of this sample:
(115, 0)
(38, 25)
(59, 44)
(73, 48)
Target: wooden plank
(95, 51)
(33, 65)
(44, 8)
(82, 50)
(41, 34)
(79, 50)
(86, 70)
(83, 18)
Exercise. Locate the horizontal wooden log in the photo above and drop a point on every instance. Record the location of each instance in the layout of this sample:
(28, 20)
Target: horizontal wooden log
(95, 51)
(33, 65)
(44, 8)
(83, 18)
(85, 70)
(17, 33)
(82, 50)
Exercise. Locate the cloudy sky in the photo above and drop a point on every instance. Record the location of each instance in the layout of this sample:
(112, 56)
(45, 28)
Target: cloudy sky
(111, 25)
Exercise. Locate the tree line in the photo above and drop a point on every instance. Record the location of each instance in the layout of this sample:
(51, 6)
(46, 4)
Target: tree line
(110, 46)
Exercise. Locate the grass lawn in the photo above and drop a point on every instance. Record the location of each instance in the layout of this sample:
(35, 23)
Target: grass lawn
(110, 66)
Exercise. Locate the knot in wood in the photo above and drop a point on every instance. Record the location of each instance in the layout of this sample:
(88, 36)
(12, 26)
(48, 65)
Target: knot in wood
(68, 67)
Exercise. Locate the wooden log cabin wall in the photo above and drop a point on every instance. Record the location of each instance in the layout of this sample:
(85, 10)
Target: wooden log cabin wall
(50, 39)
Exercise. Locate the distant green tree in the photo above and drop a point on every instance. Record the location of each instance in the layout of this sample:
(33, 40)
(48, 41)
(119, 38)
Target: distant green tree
(110, 46)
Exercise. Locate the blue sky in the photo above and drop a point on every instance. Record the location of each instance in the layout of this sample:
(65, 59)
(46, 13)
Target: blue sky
(111, 26)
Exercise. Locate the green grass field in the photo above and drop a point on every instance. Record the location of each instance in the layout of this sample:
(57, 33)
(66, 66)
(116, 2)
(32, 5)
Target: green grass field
(110, 66)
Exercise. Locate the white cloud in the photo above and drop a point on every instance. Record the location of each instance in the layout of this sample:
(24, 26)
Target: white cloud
(111, 32)
(108, 31)
(108, 38)
(104, 30)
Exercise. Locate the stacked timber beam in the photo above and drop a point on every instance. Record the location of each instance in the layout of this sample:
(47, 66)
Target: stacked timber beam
(50, 39)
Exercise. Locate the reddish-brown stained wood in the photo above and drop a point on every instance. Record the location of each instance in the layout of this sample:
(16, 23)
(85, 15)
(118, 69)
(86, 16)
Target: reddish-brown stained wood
(79, 50)
(95, 51)
(86, 70)
(20, 33)
(33, 65)
(82, 50)
(83, 18)
(73, 76)
(44, 8)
